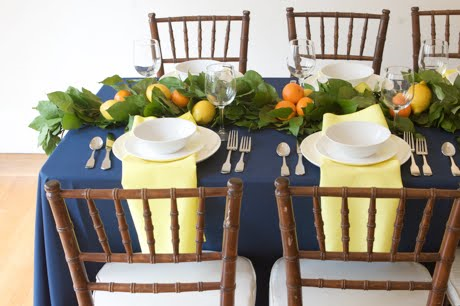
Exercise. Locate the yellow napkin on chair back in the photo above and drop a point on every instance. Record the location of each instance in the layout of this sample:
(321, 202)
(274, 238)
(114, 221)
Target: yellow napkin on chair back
(139, 173)
(385, 174)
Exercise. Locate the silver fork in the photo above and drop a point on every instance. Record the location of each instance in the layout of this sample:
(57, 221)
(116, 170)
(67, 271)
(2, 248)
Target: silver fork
(299, 169)
(232, 145)
(414, 169)
(245, 147)
(422, 149)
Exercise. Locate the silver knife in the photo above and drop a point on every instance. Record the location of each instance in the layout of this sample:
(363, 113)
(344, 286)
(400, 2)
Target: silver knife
(106, 163)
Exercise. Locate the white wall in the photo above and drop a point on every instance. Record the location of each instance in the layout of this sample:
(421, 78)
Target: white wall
(50, 44)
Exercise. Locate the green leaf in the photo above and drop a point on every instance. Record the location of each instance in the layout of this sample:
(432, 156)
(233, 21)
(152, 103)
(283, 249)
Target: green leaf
(62, 100)
(282, 112)
(346, 92)
(448, 125)
(48, 110)
(171, 82)
(70, 122)
(153, 109)
(234, 112)
(438, 91)
(243, 88)
(113, 80)
(431, 76)
(294, 125)
(253, 78)
(120, 111)
(141, 86)
(348, 106)
(51, 144)
(38, 123)
(457, 82)
(43, 134)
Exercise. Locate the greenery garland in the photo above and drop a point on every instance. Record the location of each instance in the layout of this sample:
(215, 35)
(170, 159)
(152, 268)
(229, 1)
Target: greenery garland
(252, 108)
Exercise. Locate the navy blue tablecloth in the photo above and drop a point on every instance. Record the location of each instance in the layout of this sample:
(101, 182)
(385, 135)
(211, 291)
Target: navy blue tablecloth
(259, 233)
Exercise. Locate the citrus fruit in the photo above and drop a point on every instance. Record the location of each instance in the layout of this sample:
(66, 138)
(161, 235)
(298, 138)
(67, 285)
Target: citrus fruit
(179, 99)
(286, 104)
(405, 112)
(105, 106)
(302, 104)
(203, 112)
(293, 92)
(307, 92)
(161, 87)
(362, 87)
(422, 97)
(121, 95)
(399, 99)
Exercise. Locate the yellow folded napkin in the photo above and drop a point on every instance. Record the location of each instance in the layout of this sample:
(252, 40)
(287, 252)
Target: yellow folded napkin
(385, 174)
(139, 173)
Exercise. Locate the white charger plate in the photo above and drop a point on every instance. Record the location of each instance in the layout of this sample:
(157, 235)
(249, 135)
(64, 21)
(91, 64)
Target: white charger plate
(204, 143)
(309, 150)
(373, 81)
(176, 74)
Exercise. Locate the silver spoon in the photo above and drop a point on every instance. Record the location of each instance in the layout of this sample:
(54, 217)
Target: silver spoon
(95, 144)
(448, 149)
(283, 150)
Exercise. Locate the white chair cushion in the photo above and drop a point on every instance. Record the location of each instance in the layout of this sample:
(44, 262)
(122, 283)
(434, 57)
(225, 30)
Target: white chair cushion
(453, 286)
(206, 271)
(402, 271)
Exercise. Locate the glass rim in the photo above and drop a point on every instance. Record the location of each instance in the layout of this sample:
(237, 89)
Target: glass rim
(308, 41)
(223, 65)
(399, 68)
(146, 41)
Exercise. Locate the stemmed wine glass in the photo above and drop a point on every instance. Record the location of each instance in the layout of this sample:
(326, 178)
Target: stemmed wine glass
(434, 55)
(147, 57)
(301, 59)
(397, 90)
(220, 87)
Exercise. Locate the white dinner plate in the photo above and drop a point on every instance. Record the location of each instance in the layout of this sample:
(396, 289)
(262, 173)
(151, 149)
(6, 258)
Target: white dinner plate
(176, 74)
(373, 81)
(204, 143)
(310, 152)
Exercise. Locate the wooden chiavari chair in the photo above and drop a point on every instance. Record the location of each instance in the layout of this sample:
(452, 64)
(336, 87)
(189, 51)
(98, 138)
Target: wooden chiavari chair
(416, 31)
(202, 23)
(370, 278)
(322, 53)
(114, 288)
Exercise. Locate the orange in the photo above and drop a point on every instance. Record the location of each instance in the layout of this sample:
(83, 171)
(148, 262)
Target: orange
(121, 95)
(405, 112)
(286, 104)
(293, 92)
(399, 99)
(179, 99)
(302, 104)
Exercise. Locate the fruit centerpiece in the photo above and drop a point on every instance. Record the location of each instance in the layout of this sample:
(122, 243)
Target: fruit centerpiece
(299, 111)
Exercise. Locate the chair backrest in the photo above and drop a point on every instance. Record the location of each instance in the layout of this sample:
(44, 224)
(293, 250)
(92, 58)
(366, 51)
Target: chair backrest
(375, 57)
(416, 31)
(291, 253)
(76, 258)
(202, 24)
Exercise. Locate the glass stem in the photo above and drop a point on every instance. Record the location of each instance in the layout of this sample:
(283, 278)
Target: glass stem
(221, 111)
(395, 121)
(302, 82)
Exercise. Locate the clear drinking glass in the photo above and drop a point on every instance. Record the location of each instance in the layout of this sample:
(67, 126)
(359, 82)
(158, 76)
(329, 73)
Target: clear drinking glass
(301, 58)
(397, 90)
(220, 87)
(147, 57)
(434, 55)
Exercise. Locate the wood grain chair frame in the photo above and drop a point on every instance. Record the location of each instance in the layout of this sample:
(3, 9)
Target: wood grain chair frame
(202, 23)
(375, 58)
(75, 258)
(292, 255)
(416, 31)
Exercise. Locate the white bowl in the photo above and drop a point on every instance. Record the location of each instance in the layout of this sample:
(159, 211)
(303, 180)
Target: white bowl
(353, 73)
(195, 67)
(357, 139)
(165, 135)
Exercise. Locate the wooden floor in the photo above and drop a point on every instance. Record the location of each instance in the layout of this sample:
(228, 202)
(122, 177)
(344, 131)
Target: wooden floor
(18, 189)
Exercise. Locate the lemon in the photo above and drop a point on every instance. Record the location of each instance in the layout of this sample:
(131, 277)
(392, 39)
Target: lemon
(105, 106)
(163, 88)
(307, 92)
(203, 112)
(422, 97)
(362, 87)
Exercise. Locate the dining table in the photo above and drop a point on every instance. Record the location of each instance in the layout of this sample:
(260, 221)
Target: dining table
(259, 236)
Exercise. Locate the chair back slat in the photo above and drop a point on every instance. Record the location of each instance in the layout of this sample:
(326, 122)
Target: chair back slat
(97, 223)
(200, 223)
(350, 35)
(171, 39)
(447, 29)
(363, 37)
(425, 224)
(148, 225)
(345, 222)
(433, 27)
(174, 213)
(334, 51)
(186, 39)
(200, 37)
(322, 36)
(372, 211)
(123, 225)
(399, 223)
(76, 258)
(336, 34)
(292, 255)
(227, 38)
(319, 224)
(213, 37)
